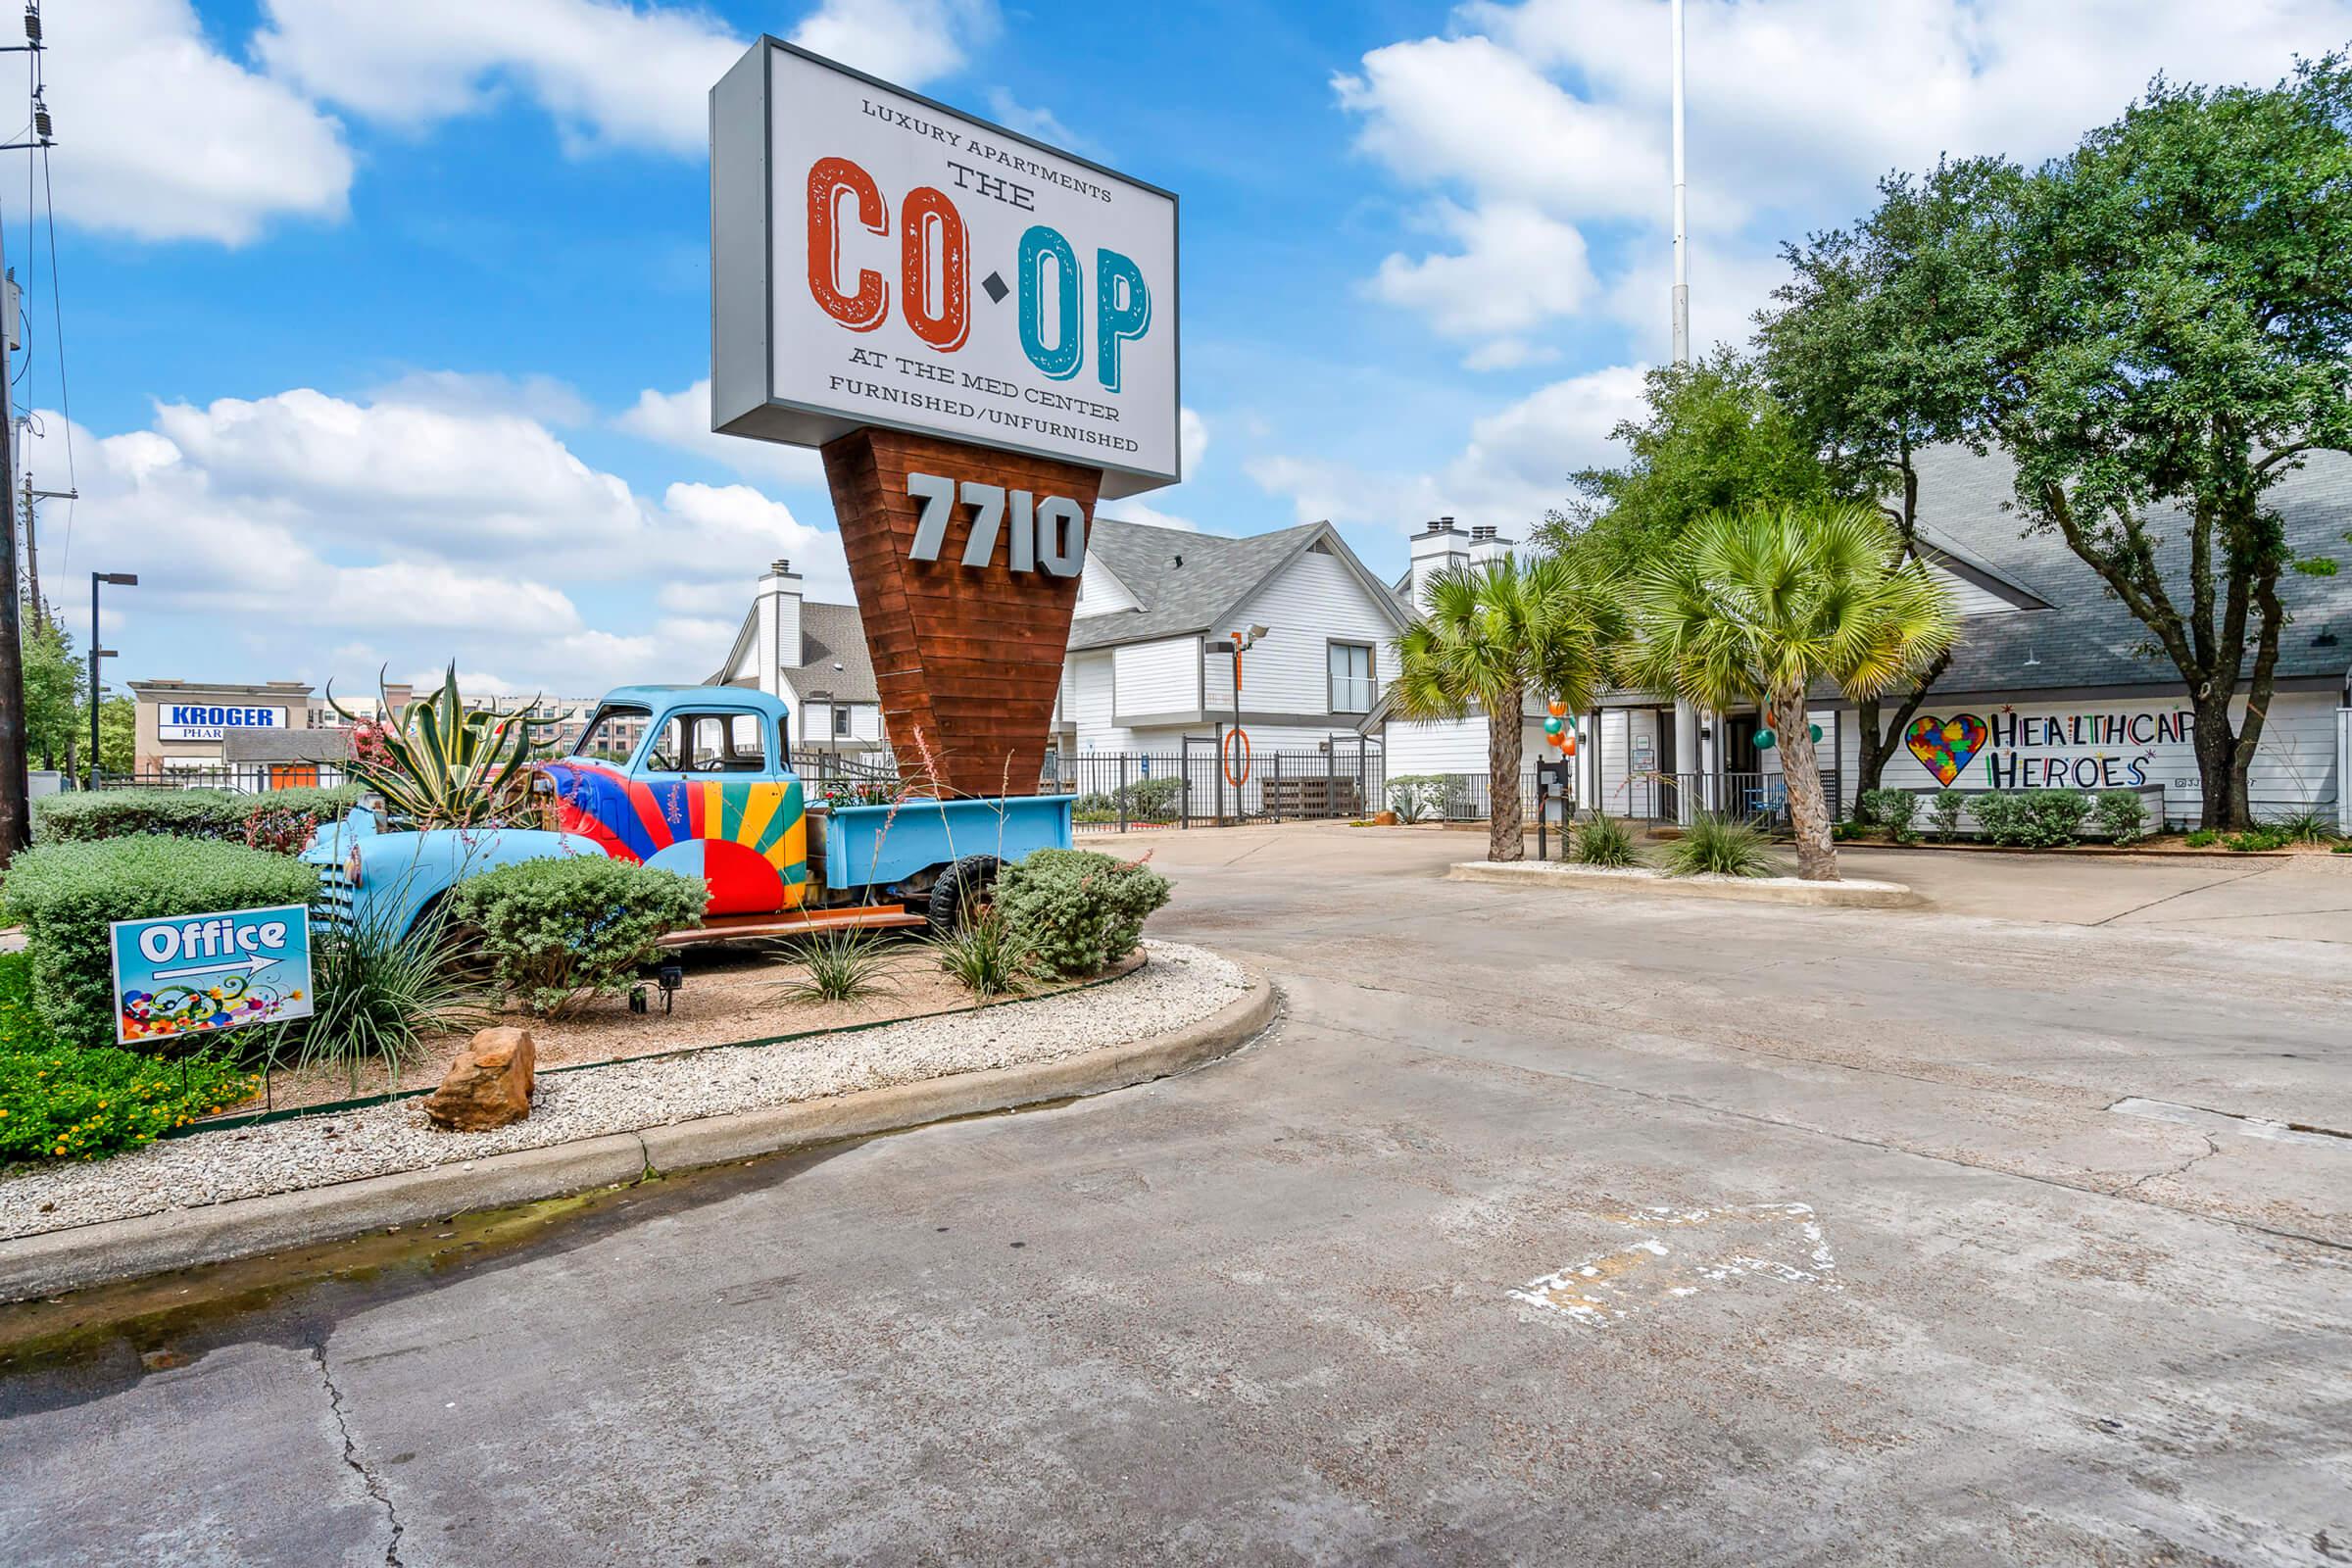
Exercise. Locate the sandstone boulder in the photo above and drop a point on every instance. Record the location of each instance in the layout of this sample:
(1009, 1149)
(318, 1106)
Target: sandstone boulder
(489, 1085)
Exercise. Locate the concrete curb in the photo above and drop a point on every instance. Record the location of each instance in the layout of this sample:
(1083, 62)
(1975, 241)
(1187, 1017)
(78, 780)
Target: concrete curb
(152, 1243)
(1738, 890)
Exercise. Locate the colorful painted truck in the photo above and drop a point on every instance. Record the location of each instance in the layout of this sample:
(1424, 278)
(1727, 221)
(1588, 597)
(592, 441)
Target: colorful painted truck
(698, 780)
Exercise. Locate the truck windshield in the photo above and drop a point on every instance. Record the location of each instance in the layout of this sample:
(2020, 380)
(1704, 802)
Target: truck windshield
(612, 734)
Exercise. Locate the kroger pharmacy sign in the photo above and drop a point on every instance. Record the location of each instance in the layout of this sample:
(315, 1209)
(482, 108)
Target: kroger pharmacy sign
(206, 722)
(877, 259)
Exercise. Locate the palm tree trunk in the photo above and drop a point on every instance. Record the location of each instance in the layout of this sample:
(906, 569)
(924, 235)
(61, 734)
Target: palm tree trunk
(1506, 828)
(1801, 770)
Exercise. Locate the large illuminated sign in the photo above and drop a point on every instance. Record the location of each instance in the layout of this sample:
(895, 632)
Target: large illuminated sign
(878, 259)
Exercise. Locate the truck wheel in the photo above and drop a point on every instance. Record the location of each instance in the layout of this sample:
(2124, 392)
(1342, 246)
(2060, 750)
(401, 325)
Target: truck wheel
(959, 887)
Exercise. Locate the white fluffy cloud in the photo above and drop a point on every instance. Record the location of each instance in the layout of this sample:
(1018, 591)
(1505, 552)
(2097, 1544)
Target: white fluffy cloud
(161, 136)
(682, 420)
(1513, 469)
(1556, 112)
(909, 42)
(264, 529)
(1516, 268)
(610, 73)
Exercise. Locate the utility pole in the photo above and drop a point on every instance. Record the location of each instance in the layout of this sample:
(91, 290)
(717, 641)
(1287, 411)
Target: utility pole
(1682, 239)
(16, 789)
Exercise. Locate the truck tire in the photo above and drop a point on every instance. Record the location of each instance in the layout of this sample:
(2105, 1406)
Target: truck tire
(962, 885)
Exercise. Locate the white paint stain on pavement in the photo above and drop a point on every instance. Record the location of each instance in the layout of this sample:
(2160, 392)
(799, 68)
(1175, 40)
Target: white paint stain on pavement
(1782, 1242)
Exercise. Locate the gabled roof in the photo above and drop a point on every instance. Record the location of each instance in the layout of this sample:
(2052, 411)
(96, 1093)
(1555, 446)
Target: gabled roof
(1189, 582)
(2086, 637)
(833, 655)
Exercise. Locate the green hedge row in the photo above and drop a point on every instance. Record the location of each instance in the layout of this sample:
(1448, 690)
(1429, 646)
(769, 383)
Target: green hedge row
(265, 821)
(65, 895)
(560, 933)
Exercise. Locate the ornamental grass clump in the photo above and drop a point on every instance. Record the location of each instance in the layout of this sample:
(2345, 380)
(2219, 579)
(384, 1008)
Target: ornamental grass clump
(60, 1101)
(557, 934)
(1604, 841)
(67, 895)
(846, 964)
(1080, 910)
(379, 992)
(1721, 846)
(985, 953)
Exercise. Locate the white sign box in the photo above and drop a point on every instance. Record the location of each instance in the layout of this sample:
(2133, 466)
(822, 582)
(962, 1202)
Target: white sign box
(208, 721)
(878, 259)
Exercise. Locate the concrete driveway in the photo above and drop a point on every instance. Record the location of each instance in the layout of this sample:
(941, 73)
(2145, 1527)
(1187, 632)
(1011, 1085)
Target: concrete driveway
(1548, 1226)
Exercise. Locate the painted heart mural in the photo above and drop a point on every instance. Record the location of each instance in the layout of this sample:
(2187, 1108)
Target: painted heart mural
(1943, 746)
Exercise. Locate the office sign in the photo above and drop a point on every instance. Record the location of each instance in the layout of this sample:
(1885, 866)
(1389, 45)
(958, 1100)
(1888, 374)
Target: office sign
(208, 721)
(194, 974)
(878, 259)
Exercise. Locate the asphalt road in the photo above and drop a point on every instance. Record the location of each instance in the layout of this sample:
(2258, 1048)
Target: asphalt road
(1547, 1227)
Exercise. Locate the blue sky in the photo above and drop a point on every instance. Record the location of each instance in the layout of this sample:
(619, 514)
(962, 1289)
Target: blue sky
(384, 318)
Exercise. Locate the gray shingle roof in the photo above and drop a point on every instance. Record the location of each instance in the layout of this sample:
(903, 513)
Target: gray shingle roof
(1185, 581)
(2088, 638)
(831, 635)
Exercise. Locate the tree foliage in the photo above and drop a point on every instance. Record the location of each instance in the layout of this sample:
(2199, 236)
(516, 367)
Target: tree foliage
(1491, 636)
(1713, 437)
(52, 690)
(1760, 605)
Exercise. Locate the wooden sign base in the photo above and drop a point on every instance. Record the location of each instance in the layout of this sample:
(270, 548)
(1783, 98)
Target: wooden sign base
(967, 659)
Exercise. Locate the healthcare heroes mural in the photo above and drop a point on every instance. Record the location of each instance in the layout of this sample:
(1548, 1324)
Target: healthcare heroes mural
(929, 271)
(2098, 749)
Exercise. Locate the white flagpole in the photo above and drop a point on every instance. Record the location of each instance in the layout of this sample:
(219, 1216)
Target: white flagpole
(1681, 240)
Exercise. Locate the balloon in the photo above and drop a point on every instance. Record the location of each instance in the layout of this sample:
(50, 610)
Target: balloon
(1558, 707)
(1568, 745)
(1816, 730)
(1765, 740)
(1552, 726)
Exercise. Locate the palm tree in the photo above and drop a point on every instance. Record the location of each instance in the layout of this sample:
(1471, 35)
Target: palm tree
(1761, 605)
(1491, 636)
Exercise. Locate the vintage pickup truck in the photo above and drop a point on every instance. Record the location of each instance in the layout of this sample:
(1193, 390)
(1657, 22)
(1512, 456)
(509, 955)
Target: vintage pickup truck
(698, 780)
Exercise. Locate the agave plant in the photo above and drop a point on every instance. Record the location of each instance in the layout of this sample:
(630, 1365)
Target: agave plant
(443, 763)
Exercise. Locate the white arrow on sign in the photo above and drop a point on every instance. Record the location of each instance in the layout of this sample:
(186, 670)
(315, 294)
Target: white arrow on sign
(257, 962)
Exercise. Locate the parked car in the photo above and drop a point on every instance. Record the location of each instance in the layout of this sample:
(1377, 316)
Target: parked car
(698, 780)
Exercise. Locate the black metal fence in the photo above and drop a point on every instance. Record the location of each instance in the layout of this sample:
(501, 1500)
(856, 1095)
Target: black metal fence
(239, 778)
(1194, 786)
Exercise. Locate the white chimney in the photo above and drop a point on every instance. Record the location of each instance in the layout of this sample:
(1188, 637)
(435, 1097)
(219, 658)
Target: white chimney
(779, 602)
(1435, 549)
(1487, 545)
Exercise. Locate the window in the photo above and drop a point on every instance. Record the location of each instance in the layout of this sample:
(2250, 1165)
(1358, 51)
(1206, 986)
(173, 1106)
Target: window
(1351, 687)
(709, 742)
(841, 723)
(613, 735)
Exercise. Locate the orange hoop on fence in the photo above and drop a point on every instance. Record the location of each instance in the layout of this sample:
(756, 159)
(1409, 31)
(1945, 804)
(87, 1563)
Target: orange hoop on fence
(1237, 778)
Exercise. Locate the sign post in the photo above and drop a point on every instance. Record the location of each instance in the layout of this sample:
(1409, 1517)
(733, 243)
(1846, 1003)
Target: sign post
(979, 332)
(194, 974)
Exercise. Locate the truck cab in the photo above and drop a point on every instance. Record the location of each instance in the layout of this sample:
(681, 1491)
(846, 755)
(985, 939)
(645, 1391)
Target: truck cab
(698, 780)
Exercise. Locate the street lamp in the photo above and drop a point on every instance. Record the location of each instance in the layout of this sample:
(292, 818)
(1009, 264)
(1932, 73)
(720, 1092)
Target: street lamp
(120, 579)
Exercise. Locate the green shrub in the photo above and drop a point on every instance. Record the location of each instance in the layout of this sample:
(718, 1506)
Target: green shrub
(1846, 832)
(1418, 797)
(560, 933)
(1602, 840)
(2122, 815)
(2344, 847)
(65, 895)
(1944, 811)
(1080, 908)
(2203, 838)
(265, 821)
(1891, 810)
(1721, 846)
(986, 953)
(70, 1103)
(2258, 839)
(2001, 817)
(2054, 817)
(1148, 800)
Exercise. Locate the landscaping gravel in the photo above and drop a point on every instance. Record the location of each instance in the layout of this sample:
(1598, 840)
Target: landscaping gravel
(1180, 985)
